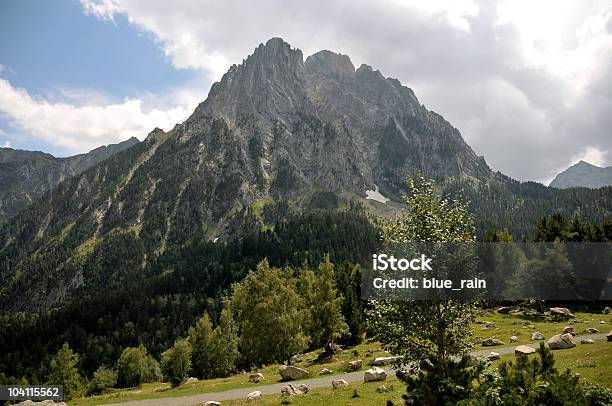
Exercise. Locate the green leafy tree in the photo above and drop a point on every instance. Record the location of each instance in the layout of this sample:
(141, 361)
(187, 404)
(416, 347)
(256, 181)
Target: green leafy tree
(324, 305)
(348, 281)
(133, 367)
(434, 331)
(63, 371)
(269, 314)
(200, 337)
(224, 343)
(176, 362)
(104, 378)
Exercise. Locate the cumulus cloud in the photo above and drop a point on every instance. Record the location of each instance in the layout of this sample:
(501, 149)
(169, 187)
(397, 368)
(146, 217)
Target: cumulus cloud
(81, 127)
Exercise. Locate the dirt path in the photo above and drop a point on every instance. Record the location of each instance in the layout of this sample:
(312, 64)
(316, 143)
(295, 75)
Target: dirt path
(274, 389)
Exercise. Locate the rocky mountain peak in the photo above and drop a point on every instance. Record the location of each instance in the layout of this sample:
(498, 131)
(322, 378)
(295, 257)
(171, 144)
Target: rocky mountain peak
(276, 52)
(583, 174)
(331, 63)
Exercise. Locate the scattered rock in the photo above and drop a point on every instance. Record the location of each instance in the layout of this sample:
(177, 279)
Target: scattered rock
(380, 361)
(487, 325)
(256, 378)
(492, 342)
(592, 330)
(253, 396)
(294, 390)
(531, 326)
(355, 365)
(586, 341)
(514, 339)
(382, 389)
(537, 336)
(504, 310)
(374, 374)
(524, 350)
(291, 373)
(191, 379)
(569, 330)
(602, 322)
(212, 403)
(339, 383)
(561, 342)
(493, 356)
(607, 310)
(561, 311)
(325, 371)
(609, 336)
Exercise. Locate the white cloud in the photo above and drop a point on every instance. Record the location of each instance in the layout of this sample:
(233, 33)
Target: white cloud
(79, 128)
(591, 155)
(526, 82)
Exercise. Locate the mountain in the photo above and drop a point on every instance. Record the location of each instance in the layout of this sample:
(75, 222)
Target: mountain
(277, 135)
(583, 174)
(27, 175)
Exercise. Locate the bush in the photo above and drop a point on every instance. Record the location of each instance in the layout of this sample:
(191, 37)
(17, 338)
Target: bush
(176, 362)
(441, 383)
(103, 379)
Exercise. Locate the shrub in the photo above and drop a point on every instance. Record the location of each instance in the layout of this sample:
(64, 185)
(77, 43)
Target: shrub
(103, 379)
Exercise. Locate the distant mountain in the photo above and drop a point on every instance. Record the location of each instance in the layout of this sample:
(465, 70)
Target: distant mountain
(583, 174)
(27, 175)
(277, 134)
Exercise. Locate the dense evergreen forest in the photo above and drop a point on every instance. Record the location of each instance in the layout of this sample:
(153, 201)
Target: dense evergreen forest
(155, 306)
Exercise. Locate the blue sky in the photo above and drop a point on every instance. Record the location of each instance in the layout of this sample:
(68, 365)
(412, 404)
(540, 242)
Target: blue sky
(53, 50)
(528, 84)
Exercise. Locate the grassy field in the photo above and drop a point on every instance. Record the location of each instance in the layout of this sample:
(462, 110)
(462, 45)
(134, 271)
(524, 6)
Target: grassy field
(593, 362)
(367, 394)
(366, 352)
(523, 326)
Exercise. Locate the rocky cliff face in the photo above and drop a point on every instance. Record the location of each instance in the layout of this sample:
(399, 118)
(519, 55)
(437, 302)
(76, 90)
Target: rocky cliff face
(583, 174)
(27, 175)
(323, 123)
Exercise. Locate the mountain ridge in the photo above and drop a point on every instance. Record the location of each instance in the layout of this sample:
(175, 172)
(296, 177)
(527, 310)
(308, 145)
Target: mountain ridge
(275, 134)
(26, 175)
(583, 174)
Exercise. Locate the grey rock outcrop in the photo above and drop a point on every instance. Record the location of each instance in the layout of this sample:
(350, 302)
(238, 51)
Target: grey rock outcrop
(491, 342)
(524, 350)
(256, 377)
(382, 361)
(291, 373)
(294, 390)
(374, 374)
(561, 341)
(253, 396)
